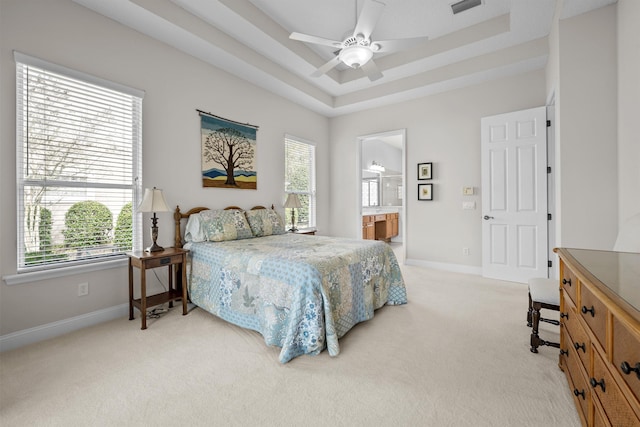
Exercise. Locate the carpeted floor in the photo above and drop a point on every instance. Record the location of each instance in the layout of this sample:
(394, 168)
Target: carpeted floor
(456, 355)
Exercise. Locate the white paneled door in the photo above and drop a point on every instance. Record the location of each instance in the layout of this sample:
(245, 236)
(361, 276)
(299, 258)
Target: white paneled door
(514, 195)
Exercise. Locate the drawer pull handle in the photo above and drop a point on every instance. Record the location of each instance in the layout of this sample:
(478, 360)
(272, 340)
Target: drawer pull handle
(165, 261)
(566, 282)
(580, 346)
(591, 310)
(564, 353)
(595, 383)
(579, 393)
(564, 316)
(627, 369)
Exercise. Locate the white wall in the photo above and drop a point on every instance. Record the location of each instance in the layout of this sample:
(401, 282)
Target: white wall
(175, 84)
(443, 129)
(586, 108)
(628, 39)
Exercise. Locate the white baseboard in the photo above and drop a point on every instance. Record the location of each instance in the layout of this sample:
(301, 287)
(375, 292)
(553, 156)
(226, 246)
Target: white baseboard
(456, 268)
(54, 329)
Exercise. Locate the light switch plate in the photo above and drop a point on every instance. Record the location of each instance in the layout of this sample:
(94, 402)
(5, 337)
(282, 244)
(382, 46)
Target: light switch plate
(467, 191)
(468, 205)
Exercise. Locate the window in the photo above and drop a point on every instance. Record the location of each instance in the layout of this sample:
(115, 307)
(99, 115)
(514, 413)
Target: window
(78, 159)
(370, 192)
(300, 178)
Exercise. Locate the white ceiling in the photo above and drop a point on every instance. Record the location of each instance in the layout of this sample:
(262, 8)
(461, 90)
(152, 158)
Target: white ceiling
(250, 39)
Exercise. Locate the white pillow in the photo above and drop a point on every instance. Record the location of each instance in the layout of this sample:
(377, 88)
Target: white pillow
(193, 232)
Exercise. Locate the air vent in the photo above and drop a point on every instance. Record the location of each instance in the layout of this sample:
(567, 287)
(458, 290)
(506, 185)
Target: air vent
(463, 5)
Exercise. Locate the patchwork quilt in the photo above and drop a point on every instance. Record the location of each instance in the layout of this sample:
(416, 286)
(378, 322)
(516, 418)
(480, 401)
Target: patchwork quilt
(301, 292)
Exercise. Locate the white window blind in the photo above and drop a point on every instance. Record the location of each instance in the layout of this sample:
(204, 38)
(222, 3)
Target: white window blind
(78, 159)
(300, 178)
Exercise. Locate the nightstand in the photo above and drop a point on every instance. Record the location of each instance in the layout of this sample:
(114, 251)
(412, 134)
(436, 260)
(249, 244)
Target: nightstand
(311, 231)
(143, 260)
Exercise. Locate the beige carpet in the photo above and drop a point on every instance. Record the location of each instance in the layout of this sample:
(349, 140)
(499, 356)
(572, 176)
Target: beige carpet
(456, 355)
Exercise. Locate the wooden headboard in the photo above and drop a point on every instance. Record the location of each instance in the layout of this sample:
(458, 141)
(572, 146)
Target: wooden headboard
(179, 216)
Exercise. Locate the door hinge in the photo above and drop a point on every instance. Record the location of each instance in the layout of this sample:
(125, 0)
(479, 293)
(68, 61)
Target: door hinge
(548, 123)
(548, 217)
(548, 169)
(549, 264)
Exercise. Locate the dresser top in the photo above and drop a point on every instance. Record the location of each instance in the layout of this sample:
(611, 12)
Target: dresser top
(619, 272)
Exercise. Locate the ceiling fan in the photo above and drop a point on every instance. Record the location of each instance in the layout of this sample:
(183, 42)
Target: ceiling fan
(357, 50)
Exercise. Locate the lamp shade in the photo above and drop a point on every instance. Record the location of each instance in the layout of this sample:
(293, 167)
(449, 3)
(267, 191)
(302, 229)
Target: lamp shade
(292, 201)
(356, 56)
(153, 201)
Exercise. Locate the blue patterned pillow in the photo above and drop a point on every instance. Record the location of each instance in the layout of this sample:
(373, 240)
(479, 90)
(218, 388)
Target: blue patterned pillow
(219, 225)
(265, 222)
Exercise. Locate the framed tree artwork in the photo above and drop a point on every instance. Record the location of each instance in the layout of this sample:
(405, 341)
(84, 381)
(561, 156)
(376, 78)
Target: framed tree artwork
(425, 171)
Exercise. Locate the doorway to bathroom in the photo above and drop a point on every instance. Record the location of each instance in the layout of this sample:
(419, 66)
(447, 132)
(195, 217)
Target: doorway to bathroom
(383, 188)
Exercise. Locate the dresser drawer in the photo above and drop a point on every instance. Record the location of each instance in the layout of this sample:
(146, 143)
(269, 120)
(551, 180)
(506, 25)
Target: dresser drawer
(569, 283)
(594, 312)
(599, 419)
(615, 406)
(580, 341)
(580, 389)
(382, 217)
(160, 262)
(626, 349)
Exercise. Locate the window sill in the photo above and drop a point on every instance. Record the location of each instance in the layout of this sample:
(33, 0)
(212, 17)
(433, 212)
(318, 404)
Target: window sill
(34, 276)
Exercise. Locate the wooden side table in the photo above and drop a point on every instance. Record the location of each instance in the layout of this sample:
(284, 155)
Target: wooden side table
(144, 260)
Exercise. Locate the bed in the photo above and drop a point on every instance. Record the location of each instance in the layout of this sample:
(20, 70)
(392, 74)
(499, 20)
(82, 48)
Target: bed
(300, 292)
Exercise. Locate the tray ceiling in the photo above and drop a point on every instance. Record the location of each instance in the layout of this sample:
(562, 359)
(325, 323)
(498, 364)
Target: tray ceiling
(250, 39)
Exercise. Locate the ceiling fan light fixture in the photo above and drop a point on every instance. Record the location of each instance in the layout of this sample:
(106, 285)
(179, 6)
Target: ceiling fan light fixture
(355, 56)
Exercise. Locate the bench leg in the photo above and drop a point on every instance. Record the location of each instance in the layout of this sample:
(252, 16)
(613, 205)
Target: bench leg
(535, 320)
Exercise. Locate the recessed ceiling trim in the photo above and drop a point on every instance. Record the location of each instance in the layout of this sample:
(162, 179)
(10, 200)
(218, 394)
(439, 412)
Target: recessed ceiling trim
(501, 58)
(193, 26)
(236, 36)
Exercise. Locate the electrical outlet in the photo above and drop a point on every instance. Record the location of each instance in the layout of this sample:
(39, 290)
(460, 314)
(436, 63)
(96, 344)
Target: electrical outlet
(465, 251)
(83, 289)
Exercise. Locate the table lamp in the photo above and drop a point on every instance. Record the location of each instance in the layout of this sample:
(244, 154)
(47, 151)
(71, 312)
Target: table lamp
(153, 201)
(293, 203)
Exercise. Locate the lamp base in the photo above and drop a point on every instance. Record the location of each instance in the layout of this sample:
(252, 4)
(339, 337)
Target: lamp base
(154, 248)
(154, 236)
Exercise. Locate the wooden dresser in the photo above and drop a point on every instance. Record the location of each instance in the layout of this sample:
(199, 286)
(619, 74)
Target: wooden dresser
(600, 334)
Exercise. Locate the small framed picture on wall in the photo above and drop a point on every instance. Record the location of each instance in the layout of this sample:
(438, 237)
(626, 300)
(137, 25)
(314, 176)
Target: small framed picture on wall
(425, 191)
(425, 171)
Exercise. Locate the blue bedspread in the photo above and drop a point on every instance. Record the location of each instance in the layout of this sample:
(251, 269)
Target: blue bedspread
(300, 292)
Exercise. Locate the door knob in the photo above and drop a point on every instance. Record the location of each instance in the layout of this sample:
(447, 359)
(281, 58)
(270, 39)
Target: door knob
(487, 217)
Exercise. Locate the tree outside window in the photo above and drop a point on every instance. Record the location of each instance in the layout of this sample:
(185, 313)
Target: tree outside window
(78, 145)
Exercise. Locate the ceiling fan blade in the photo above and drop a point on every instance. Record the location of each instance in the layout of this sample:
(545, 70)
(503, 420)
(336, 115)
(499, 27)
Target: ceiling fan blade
(369, 15)
(371, 70)
(386, 46)
(326, 67)
(313, 39)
